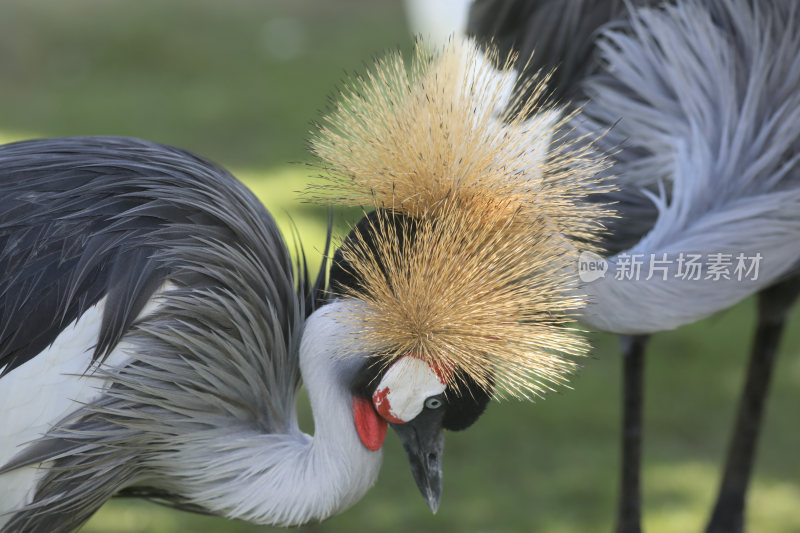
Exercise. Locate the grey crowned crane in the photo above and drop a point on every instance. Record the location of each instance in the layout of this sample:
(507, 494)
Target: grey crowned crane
(154, 332)
(702, 103)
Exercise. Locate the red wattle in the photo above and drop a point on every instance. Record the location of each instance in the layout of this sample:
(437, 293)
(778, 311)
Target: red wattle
(371, 428)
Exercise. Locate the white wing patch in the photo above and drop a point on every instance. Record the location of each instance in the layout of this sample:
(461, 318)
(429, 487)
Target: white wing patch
(38, 394)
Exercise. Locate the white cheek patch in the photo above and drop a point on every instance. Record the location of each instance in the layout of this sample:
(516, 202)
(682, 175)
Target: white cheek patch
(401, 394)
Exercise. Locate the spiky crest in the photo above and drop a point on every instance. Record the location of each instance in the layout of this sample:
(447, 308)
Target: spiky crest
(496, 200)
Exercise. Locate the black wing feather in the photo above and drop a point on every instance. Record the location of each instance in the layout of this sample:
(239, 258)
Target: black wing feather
(84, 218)
(551, 34)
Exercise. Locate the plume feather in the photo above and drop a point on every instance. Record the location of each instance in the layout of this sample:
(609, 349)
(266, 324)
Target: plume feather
(481, 274)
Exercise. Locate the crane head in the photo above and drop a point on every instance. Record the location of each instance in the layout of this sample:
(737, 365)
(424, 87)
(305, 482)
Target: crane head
(414, 399)
(412, 396)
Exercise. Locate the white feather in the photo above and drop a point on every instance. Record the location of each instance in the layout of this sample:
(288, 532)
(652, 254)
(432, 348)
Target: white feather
(38, 394)
(437, 20)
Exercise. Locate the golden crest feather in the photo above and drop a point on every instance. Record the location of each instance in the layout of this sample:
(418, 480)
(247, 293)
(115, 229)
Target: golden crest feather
(481, 275)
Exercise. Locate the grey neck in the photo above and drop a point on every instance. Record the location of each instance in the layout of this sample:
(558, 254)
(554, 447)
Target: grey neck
(291, 478)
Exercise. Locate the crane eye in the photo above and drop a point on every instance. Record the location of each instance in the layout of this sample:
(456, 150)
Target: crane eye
(433, 402)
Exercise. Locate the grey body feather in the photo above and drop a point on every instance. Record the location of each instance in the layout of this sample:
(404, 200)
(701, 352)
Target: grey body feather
(704, 100)
(701, 102)
(83, 219)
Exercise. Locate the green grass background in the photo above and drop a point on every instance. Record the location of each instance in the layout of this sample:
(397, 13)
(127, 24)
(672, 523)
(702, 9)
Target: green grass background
(239, 81)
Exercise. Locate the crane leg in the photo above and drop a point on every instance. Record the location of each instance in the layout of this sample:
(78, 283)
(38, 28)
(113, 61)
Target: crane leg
(774, 304)
(629, 515)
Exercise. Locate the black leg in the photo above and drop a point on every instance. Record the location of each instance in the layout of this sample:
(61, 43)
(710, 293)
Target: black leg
(629, 515)
(774, 304)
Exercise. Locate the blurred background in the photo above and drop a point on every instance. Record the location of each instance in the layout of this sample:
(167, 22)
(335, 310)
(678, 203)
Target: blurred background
(239, 82)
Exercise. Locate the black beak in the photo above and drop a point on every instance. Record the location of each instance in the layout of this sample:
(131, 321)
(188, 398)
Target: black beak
(423, 441)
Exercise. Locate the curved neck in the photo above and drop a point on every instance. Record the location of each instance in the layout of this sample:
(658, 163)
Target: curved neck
(290, 478)
(340, 467)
